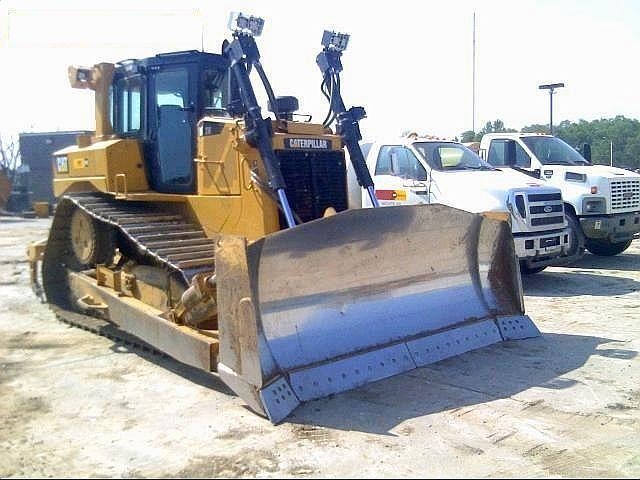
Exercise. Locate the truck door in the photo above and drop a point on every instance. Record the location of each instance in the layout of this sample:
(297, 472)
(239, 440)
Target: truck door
(399, 177)
(508, 153)
(172, 118)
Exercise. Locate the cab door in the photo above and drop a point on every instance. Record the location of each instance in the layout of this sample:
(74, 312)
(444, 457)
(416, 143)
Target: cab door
(399, 177)
(508, 153)
(172, 118)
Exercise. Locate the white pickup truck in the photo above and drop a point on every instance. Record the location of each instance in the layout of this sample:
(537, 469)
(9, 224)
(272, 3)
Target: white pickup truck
(412, 170)
(602, 203)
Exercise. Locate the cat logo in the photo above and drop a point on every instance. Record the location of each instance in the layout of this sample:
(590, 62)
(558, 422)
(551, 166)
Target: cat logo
(307, 144)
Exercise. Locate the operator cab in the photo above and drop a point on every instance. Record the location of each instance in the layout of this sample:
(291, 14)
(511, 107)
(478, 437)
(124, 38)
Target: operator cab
(159, 101)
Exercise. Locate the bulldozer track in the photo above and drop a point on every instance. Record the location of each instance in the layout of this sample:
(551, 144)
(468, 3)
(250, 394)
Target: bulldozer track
(161, 237)
(103, 328)
(167, 237)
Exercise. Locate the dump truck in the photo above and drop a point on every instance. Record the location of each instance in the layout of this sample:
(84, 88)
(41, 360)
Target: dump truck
(221, 237)
(417, 169)
(602, 202)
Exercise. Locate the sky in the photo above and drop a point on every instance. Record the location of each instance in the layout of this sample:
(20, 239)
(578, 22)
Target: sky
(410, 64)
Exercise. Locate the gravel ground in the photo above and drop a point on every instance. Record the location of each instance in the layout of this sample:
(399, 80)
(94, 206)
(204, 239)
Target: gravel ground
(566, 404)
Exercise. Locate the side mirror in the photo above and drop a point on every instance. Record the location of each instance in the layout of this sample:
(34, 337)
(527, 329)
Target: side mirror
(586, 152)
(510, 153)
(395, 167)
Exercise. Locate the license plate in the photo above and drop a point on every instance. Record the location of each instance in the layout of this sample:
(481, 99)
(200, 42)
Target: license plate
(550, 242)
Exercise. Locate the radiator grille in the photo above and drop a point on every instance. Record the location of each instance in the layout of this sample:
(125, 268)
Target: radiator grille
(540, 209)
(625, 194)
(545, 197)
(539, 221)
(314, 181)
(545, 210)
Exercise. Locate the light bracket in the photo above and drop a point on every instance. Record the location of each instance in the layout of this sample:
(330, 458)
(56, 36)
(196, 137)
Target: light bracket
(245, 24)
(335, 41)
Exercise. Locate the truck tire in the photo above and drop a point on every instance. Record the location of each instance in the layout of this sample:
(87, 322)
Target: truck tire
(605, 248)
(577, 241)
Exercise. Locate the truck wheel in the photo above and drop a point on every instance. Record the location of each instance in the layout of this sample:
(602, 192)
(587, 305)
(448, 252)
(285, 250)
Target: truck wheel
(524, 270)
(605, 248)
(577, 240)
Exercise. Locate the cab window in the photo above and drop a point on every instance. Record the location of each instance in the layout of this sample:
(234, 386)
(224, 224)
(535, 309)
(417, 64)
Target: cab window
(172, 87)
(499, 155)
(522, 158)
(126, 105)
(215, 91)
(401, 162)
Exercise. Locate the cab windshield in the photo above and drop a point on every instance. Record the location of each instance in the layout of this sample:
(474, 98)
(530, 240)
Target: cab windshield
(553, 151)
(450, 156)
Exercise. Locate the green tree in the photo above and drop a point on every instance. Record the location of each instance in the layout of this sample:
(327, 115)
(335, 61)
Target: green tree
(535, 128)
(620, 132)
(468, 136)
(497, 126)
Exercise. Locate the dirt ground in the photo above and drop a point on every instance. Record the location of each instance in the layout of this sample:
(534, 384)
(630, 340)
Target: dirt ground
(566, 404)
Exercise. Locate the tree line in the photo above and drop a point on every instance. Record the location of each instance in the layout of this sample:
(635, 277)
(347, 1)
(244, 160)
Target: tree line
(621, 133)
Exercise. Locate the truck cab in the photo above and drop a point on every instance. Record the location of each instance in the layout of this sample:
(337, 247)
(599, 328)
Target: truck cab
(602, 202)
(414, 170)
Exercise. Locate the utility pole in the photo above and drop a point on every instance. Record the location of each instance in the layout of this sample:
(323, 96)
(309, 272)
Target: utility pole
(551, 87)
(473, 101)
(610, 150)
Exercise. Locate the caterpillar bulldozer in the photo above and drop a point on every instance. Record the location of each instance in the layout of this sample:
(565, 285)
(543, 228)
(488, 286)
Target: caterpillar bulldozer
(222, 237)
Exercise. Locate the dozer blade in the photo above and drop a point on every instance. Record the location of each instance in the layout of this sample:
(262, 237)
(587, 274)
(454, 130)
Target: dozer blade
(349, 299)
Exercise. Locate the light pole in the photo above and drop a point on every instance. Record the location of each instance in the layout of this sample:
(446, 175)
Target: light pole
(551, 87)
(610, 150)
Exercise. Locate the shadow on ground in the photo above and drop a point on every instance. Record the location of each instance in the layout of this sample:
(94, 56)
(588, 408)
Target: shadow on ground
(626, 261)
(495, 372)
(573, 282)
(193, 374)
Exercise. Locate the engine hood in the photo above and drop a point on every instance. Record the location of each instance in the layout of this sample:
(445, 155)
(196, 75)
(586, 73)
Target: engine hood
(592, 172)
(485, 190)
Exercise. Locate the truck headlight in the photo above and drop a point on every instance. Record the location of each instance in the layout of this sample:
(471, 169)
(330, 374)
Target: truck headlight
(594, 205)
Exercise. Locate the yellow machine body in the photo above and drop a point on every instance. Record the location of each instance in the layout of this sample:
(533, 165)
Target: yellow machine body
(227, 199)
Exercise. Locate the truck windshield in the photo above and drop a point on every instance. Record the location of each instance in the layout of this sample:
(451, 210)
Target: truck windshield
(450, 156)
(553, 151)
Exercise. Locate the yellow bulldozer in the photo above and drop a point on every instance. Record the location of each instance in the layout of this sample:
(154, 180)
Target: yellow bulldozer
(222, 237)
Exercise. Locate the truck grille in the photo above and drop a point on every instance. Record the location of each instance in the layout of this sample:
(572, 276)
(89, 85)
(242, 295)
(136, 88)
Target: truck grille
(625, 194)
(543, 210)
(314, 181)
(547, 221)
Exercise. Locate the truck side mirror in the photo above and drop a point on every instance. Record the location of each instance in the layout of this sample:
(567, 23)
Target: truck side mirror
(586, 152)
(395, 164)
(510, 153)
